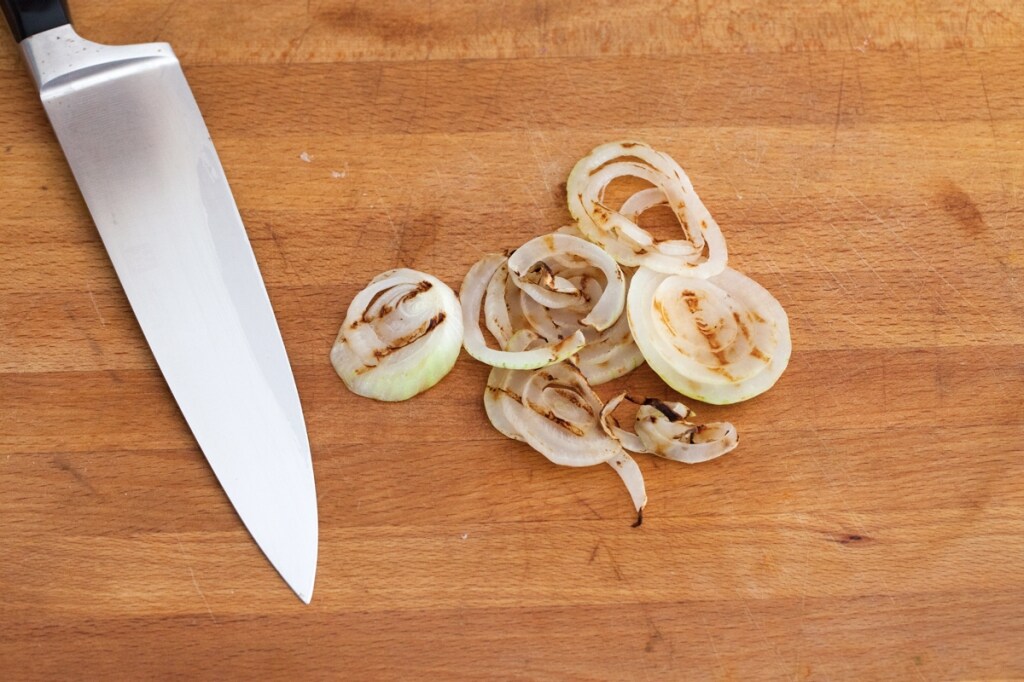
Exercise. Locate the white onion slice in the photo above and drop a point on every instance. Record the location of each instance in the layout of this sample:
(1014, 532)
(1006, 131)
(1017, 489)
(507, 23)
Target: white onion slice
(605, 311)
(701, 252)
(557, 414)
(497, 391)
(720, 340)
(401, 335)
(555, 411)
(502, 316)
(557, 286)
(609, 354)
(662, 429)
(627, 439)
(474, 286)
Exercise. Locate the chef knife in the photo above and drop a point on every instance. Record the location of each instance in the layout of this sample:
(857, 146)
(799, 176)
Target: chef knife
(144, 162)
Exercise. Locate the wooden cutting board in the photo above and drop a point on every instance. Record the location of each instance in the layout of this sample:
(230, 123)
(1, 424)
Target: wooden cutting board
(866, 162)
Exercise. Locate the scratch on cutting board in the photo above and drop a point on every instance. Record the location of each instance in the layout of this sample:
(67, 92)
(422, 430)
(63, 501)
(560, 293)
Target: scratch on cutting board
(466, 148)
(711, 642)
(761, 633)
(164, 19)
(96, 308)
(699, 22)
(532, 195)
(839, 105)
(192, 574)
(299, 42)
(499, 85)
(858, 522)
(654, 634)
(64, 465)
(914, 251)
(988, 105)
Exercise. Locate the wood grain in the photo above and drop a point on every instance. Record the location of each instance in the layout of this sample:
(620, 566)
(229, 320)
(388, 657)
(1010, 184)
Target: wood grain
(865, 159)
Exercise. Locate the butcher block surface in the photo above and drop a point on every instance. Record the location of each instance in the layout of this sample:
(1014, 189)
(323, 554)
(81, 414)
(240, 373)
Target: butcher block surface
(865, 160)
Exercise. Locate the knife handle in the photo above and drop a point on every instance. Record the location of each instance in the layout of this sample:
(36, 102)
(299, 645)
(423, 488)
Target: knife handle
(29, 17)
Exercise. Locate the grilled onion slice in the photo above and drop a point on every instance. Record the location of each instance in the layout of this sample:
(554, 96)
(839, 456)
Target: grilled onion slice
(474, 288)
(663, 429)
(720, 340)
(556, 412)
(564, 289)
(578, 257)
(701, 252)
(402, 335)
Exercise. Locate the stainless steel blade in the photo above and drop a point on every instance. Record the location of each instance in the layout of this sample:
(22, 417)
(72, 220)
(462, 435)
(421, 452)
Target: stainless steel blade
(144, 161)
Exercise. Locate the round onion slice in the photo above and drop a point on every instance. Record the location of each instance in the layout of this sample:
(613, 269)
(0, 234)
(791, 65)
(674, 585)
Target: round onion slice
(474, 286)
(720, 340)
(662, 429)
(402, 335)
(702, 250)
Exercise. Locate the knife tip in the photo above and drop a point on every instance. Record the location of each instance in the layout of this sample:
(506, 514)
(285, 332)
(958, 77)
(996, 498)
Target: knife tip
(302, 585)
(301, 577)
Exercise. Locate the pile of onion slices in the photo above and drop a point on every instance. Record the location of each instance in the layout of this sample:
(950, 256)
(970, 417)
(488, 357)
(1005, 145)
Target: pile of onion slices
(579, 307)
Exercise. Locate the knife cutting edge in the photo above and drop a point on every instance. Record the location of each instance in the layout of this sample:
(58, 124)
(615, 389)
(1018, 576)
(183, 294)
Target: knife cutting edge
(144, 162)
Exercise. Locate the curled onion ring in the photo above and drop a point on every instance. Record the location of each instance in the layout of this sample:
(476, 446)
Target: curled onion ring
(559, 286)
(556, 412)
(702, 250)
(402, 335)
(569, 249)
(662, 429)
(474, 287)
(720, 340)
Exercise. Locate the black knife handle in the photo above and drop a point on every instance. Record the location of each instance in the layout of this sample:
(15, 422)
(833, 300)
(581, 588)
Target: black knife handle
(29, 17)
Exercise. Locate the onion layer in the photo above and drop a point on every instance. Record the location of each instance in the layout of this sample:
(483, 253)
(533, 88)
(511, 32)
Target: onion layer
(701, 252)
(402, 335)
(720, 340)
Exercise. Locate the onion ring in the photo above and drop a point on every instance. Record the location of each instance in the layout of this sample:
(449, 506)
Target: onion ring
(474, 287)
(700, 253)
(558, 286)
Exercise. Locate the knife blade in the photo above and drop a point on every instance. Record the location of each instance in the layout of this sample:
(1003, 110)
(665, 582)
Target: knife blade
(150, 176)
